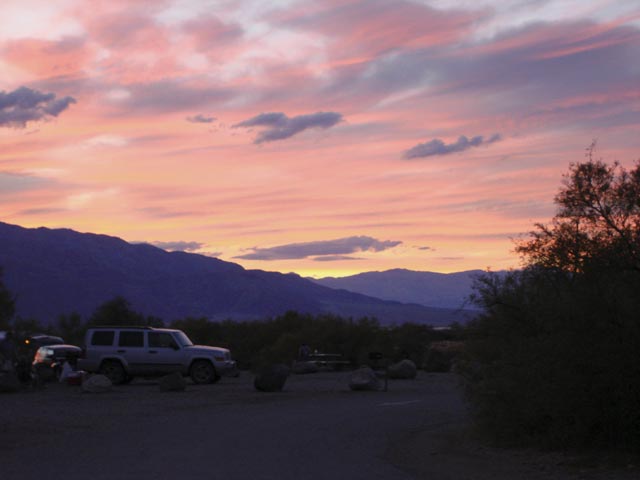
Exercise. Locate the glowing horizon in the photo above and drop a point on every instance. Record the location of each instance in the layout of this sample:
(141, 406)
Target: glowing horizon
(325, 138)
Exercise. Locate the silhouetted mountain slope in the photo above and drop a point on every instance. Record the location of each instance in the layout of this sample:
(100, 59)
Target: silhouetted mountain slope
(443, 290)
(55, 272)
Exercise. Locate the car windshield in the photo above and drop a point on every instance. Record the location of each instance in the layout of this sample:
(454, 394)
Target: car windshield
(183, 340)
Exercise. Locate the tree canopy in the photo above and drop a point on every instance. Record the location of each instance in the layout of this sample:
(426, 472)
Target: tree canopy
(597, 225)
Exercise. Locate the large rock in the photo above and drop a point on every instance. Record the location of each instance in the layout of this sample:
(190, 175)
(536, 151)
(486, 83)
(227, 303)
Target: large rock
(9, 382)
(96, 384)
(301, 367)
(364, 379)
(402, 370)
(272, 378)
(174, 382)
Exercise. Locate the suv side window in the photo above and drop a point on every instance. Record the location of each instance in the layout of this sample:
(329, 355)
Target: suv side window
(131, 339)
(161, 340)
(102, 338)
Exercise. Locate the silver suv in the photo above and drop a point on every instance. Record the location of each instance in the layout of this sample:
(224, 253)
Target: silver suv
(121, 353)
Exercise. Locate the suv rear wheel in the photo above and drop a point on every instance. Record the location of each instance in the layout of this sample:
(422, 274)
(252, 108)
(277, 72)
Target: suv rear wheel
(202, 371)
(114, 371)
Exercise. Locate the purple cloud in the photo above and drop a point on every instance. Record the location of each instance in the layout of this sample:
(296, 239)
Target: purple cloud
(333, 249)
(179, 246)
(279, 126)
(334, 258)
(210, 33)
(172, 96)
(537, 66)
(25, 105)
(201, 119)
(438, 147)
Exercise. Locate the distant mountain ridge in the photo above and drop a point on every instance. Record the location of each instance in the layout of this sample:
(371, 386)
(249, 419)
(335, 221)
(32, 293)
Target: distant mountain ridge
(60, 271)
(442, 290)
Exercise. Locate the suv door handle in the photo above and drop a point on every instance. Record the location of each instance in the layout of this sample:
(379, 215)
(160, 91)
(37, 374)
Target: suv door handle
(153, 351)
(122, 351)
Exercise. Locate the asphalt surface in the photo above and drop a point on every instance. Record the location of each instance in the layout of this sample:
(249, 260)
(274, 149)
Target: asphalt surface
(316, 429)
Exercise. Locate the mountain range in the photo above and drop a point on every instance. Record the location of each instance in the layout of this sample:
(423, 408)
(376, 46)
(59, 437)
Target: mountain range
(442, 290)
(60, 271)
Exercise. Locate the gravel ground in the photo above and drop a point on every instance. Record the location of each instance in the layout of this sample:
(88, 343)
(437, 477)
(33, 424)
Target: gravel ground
(316, 429)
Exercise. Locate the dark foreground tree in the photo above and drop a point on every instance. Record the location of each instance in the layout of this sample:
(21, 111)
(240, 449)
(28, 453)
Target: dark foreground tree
(7, 306)
(555, 358)
(117, 311)
(71, 327)
(597, 226)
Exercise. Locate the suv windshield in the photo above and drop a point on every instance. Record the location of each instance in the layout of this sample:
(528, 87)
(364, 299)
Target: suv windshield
(183, 340)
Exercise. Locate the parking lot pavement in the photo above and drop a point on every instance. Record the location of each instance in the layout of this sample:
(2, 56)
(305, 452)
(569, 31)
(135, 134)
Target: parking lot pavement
(316, 429)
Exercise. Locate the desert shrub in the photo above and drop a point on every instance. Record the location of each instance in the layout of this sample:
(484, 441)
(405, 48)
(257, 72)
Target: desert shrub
(276, 340)
(554, 360)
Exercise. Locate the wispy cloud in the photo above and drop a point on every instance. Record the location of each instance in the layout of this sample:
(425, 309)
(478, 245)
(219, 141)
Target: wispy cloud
(438, 147)
(278, 126)
(170, 95)
(335, 258)
(180, 246)
(11, 182)
(321, 250)
(106, 140)
(201, 119)
(41, 211)
(25, 105)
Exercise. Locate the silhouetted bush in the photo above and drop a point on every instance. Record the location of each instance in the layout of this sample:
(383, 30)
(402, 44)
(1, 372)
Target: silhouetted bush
(7, 305)
(555, 358)
(264, 342)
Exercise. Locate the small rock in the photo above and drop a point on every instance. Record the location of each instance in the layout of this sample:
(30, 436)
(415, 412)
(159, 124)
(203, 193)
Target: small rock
(96, 384)
(402, 370)
(272, 378)
(174, 382)
(364, 379)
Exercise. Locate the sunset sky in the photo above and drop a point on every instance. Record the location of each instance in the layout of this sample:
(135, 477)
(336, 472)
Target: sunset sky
(319, 137)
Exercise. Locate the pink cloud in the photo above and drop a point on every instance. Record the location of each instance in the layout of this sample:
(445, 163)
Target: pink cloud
(47, 58)
(368, 28)
(210, 33)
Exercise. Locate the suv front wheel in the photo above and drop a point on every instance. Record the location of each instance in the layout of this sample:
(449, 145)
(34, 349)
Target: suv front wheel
(202, 371)
(114, 371)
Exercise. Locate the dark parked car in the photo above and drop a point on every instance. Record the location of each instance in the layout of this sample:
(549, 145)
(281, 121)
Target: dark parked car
(31, 344)
(49, 359)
